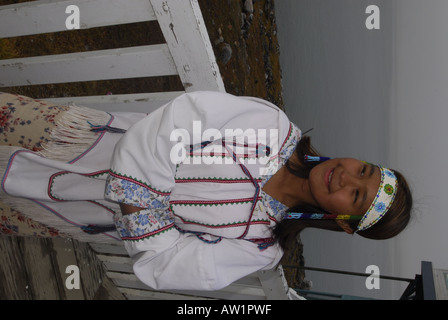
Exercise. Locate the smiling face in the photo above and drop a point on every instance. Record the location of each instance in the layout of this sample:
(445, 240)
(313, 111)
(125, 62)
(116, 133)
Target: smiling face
(344, 185)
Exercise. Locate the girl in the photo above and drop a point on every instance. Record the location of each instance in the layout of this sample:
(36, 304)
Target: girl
(203, 191)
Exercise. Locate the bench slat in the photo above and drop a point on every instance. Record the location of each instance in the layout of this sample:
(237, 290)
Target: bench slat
(46, 16)
(138, 102)
(123, 63)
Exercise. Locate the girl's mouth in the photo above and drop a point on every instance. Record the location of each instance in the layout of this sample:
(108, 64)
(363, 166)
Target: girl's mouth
(328, 177)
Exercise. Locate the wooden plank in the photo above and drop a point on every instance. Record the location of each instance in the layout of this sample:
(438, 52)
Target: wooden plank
(133, 62)
(248, 287)
(274, 284)
(39, 265)
(117, 263)
(38, 17)
(63, 256)
(13, 275)
(124, 264)
(184, 30)
(107, 248)
(108, 291)
(90, 268)
(140, 102)
(231, 292)
(135, 294)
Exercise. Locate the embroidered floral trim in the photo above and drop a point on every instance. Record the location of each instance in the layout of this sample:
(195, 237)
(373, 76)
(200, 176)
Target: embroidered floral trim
(274, 208)
(290, 143)
(278, 160)
(138, 182)
(143, 224)
(135, 194)
(27, 122)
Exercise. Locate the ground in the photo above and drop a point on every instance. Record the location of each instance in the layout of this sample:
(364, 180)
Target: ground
(249, 32)
(244, 38)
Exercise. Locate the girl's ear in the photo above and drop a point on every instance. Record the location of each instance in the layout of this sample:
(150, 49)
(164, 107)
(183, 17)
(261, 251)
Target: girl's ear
(345, 226)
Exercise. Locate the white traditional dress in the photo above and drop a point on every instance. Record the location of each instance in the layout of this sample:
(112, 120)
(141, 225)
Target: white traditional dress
(196, 168)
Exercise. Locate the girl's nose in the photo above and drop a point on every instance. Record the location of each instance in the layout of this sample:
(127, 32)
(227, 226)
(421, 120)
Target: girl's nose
(348, 179)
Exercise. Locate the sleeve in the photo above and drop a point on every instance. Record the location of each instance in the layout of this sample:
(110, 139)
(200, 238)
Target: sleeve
(142, 174)
(174, 260)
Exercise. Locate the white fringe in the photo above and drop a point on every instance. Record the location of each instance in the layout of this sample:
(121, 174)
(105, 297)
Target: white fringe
(40, 214)
(71, 135)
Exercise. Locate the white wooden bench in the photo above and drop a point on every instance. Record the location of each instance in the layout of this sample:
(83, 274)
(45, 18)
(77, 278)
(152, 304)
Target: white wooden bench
(187, 53)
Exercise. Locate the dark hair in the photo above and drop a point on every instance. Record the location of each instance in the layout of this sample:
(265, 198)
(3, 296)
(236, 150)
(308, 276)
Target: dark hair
(389, 226)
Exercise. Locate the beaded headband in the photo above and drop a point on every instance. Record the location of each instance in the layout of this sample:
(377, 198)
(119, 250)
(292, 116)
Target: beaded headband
(382, 201)
(379, 207)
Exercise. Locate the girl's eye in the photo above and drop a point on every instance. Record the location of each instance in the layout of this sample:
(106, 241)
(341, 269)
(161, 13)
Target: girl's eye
(364, 168)
(356, 195)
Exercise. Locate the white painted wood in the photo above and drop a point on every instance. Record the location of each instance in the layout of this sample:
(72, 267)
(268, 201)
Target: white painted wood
(105, 248)
(45, 16)
(267, 284)
(139, 102)
(135, 294)
(249, 280)
(184, 29)
(233, 291)
(134, 62)
(116, 263)
(123, 263)
(293, 295)
(117, 253)
(274, 284)
(64, 252)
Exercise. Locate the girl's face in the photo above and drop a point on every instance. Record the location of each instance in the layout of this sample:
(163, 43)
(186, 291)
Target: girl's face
(344, 186)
